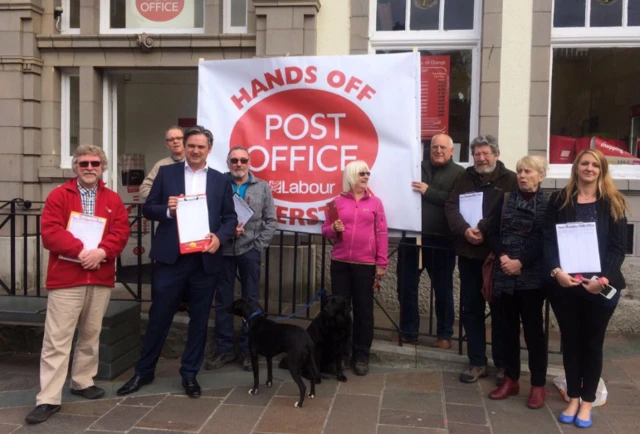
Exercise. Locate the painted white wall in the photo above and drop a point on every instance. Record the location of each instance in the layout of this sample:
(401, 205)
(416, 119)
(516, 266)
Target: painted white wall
(334, 27)
(515, 80)
(153, 102)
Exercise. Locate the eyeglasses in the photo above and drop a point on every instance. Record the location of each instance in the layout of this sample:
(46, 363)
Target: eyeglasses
(241, 160)
(85, 164)
(174, 139)
(364, 173)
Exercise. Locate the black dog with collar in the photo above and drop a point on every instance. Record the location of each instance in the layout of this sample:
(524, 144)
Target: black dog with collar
(268, 338)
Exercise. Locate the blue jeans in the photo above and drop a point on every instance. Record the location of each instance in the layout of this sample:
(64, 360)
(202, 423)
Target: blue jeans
(248, 267)
(439, 259)
(473, 315)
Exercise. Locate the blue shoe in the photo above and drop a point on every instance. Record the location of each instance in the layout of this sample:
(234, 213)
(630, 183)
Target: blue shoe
(563, 418)
(584, 423)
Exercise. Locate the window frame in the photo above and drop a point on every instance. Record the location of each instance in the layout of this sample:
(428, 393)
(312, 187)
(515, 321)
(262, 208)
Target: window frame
(105, 25)
(409, 37)
(65, 20)
(590, 37)
(227, 28)
(437, 40)
(65, 117)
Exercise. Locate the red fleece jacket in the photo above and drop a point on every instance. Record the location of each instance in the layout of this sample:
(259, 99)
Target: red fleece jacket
(60, 203)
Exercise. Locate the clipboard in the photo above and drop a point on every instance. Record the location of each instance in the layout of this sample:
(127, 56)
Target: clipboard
(87, 228)
(192, 218)
(332, 215)
(242, 208)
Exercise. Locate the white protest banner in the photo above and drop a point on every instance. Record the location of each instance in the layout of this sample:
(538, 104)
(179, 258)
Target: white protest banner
(303, 119)
(166, 14)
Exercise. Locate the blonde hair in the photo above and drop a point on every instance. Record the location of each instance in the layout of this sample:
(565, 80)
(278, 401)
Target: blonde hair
(351, 174)
(89, 150)
(534, 162)
(606, 188)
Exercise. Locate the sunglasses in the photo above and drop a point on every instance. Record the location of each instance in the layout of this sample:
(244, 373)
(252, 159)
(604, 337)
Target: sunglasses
(85, 164)
(174, 139)
(235, 160)
(364, 173)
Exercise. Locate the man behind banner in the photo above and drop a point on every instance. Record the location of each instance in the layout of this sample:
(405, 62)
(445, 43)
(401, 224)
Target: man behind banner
(173, 138)
(175, 273)
(242, 256)
(489, 177)
(80, 284)
(439, 173)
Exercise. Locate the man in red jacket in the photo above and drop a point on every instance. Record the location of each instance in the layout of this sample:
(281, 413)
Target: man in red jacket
(80, 284)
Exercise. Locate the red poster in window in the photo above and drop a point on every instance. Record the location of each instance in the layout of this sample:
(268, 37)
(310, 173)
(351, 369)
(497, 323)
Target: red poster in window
(434, 88)
(187, 122)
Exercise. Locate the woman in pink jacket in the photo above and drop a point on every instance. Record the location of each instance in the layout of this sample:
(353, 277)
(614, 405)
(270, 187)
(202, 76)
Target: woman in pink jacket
(359, 256)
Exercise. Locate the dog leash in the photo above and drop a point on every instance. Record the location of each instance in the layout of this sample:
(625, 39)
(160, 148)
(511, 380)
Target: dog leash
(320, 294)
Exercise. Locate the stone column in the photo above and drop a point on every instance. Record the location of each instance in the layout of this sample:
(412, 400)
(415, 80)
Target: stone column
(90, 17)
(286, 27)
(90, 106)
(515, 80)
(20, 97)
(490, 75)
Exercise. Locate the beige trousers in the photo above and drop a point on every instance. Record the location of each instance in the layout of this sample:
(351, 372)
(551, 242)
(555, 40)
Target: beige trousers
(81, 306)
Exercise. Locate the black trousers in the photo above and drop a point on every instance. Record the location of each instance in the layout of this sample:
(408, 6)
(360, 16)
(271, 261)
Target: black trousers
(583, 324)
(354, 282)
(528, 306)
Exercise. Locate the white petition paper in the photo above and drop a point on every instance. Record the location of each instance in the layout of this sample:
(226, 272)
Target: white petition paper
(192, 216)
(471, 208)
(86, 228)
(578, 248)
(243, 210)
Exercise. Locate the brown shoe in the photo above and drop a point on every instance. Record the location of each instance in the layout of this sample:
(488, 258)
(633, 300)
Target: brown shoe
(536, 398)
(509, 387)
(472, 374)
(443, 344)
(405, 341)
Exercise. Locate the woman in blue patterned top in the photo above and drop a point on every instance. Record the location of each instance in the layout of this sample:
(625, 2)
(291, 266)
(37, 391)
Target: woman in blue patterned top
(582, 310)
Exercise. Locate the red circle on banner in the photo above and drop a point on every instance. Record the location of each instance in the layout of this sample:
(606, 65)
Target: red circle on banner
(300, 140)
(159, 10)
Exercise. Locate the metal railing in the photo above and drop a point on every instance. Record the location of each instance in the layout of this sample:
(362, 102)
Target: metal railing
(27, 215)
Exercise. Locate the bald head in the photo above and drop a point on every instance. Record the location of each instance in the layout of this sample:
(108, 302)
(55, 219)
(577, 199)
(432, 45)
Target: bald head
(441, 149)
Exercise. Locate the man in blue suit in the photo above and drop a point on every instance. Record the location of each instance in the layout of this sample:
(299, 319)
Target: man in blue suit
(175, 273)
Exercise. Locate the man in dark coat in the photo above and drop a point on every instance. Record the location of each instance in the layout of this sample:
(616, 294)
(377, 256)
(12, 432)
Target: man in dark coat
(439, 174)
(490, 179)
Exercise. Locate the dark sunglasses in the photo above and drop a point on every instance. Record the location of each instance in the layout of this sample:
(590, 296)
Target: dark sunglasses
(85, 164)
(235, 160)
(364, 173)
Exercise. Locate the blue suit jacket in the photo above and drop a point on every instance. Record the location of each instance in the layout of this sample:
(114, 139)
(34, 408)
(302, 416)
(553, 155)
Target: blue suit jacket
(222, 216)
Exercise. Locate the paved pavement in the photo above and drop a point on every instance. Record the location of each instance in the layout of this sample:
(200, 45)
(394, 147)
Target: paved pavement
(387, 401)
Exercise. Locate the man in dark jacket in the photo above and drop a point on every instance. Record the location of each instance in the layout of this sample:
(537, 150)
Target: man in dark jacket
(489, 177)
(439, 173)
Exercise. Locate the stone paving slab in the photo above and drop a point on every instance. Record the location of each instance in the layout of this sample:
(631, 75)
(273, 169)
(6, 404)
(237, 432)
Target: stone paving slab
(387, 401)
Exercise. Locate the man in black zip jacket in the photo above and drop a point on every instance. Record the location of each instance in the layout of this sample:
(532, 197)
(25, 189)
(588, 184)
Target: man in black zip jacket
(439, 174)
(489, 177)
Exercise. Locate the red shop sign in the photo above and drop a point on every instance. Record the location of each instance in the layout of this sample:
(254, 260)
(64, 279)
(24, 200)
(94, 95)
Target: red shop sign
(159, 10)
(434, 88)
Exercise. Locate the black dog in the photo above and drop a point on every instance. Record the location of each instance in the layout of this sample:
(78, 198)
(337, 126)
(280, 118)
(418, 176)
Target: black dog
(330, 331)
(269, 339)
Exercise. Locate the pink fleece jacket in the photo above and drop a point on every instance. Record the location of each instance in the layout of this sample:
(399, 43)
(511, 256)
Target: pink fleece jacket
(365, 239)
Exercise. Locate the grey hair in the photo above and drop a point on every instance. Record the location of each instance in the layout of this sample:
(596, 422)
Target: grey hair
(238, 148)
(535, 162)
(198, 129)
(487, 140)
(96, 151)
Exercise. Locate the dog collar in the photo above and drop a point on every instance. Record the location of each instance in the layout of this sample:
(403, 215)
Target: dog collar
(253, 315)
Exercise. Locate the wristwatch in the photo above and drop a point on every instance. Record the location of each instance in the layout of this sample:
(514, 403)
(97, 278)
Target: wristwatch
(555, 271)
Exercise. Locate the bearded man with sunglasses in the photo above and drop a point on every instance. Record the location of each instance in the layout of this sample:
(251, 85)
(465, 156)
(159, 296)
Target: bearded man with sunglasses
(242, 255)
(80, 284)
